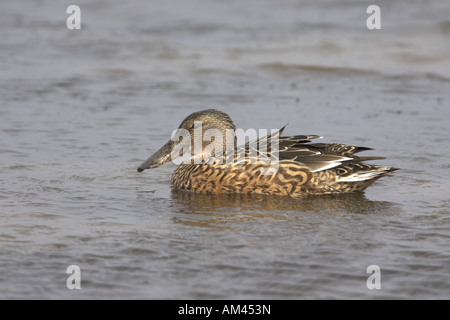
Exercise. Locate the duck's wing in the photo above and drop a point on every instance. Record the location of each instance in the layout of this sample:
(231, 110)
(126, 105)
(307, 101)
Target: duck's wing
(320, 156)
(259, 149)
(315, 156)
(267, 148)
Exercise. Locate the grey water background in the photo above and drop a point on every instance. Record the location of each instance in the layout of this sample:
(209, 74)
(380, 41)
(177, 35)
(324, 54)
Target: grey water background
(81, 109)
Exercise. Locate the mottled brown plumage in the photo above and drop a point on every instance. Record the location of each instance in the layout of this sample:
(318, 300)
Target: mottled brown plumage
(302, 167)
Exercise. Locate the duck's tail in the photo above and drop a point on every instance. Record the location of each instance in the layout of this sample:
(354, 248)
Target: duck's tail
(366, 174)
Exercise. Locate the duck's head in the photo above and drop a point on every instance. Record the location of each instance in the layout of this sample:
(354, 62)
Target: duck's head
(194, 137)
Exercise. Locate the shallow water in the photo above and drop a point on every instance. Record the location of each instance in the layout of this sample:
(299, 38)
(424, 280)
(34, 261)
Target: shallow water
(80, 110)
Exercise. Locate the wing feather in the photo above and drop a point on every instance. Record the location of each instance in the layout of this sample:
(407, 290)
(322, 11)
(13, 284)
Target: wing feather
(298, 148)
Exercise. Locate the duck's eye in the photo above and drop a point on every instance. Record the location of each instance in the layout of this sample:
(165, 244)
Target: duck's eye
(196, 124)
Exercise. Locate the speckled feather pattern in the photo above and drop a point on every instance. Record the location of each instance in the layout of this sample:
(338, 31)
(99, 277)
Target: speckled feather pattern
(292, 179)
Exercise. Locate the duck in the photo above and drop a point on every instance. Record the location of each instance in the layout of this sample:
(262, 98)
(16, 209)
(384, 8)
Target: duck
(276, 165)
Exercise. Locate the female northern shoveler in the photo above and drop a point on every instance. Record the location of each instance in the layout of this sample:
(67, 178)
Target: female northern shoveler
(302, 167)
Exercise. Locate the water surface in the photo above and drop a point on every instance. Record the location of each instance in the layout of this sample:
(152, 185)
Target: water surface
(80, 110)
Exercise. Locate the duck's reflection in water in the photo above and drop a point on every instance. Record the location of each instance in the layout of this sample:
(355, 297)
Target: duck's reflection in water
(219, 209)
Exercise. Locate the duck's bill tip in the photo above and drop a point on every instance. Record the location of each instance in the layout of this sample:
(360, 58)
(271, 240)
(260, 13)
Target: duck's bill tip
(152, 163)
(145, 166)
(158, 158)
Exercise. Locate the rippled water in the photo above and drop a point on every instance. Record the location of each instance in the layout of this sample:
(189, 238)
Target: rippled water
(80, 110)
